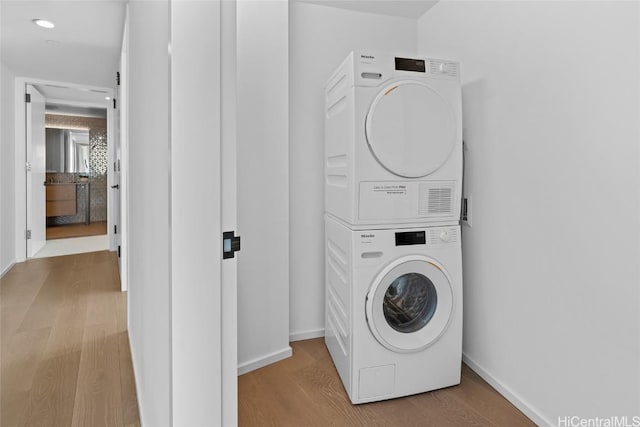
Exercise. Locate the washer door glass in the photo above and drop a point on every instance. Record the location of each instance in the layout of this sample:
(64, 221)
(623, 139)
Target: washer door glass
(409, 304)
(410, 129)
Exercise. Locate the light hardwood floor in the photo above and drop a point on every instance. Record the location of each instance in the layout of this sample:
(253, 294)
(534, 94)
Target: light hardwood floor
(76, 230)
(65, 358)
(305, 390)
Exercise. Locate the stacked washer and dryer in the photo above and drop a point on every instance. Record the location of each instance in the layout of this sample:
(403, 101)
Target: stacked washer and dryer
(393, 178)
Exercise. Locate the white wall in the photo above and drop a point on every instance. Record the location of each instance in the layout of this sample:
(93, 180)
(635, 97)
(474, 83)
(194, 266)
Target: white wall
(550, 107)
(320, 38)
(7, 171)
(263, 179)
(149, 275)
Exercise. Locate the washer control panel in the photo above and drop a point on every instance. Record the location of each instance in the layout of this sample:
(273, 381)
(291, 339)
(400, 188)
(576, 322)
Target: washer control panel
(406, 238)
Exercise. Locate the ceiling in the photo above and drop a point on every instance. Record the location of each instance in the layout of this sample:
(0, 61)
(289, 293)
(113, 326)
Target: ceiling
(83, 48)
(405, 8)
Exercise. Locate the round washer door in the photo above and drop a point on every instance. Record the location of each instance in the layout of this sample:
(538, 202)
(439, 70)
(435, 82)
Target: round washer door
(410, 129)
(409, 304)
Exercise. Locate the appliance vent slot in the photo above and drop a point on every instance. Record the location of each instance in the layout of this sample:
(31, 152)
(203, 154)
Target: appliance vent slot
(443, 68)
(440, 201)
(333, 330)
(337, 106)
(338, 86)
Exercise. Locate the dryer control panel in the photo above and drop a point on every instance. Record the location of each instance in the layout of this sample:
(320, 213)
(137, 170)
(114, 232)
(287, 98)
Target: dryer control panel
(406, 238)
(369, 68)
(408, 64)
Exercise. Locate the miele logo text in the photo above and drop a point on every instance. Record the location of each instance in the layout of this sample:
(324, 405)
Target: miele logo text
(367, 57)
(366, 236)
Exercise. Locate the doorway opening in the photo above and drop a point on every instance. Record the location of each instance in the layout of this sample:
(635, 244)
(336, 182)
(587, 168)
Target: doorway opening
(69, 147)
(76, 173)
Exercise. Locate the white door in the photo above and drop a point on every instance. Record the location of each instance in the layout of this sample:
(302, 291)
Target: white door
(203, 296)
(35, 164)
(115, 181)
(410, 303)
(410, 129)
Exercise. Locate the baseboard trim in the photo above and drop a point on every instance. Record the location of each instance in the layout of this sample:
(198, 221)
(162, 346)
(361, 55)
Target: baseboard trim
(261, 362)
(532, 413)
(7, 268)
(306, 335)
(135, 379)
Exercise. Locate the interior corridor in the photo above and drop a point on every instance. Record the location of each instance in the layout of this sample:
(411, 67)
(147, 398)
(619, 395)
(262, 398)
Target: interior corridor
(65, 349)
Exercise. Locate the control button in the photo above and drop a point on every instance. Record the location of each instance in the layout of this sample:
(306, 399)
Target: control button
(444, 236)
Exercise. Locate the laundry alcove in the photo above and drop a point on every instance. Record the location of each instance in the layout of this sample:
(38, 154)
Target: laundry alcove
(550, 152)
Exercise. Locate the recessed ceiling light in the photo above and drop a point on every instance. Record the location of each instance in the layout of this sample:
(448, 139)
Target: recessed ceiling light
(107, 98)
(43, 23)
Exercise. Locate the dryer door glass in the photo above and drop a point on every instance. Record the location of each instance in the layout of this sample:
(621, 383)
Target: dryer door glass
(410, 129)
(409, 304)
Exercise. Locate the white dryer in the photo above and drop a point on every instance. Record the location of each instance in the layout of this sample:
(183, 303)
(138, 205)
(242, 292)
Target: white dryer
(393, 140)
(393, 309)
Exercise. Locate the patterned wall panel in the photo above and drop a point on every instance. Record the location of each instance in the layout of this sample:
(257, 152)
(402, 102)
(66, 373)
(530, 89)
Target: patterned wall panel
(98, 163)
(98, 159)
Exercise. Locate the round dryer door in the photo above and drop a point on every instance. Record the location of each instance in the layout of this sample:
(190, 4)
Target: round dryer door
(410, 129)
(409, 304)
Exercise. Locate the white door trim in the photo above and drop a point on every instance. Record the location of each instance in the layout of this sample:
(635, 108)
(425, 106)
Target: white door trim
(111, 150)
(228, 214)
(124, 157)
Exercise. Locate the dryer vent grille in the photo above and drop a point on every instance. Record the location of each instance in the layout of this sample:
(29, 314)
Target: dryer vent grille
(440, 200)
(436, 199)
(443, 68)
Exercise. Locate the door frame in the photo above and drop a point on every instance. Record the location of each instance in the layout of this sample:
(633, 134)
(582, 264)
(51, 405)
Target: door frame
(123, 135)
(229, 209)
(20, 194)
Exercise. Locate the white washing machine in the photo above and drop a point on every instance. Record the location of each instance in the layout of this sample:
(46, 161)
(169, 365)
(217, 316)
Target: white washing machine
(393, 140)
(393, 309)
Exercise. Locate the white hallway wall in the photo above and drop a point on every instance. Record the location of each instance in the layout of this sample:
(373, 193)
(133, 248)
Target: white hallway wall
(550, 107)
(263, 177)
(149, 243)
(320, 37)
(7, 164)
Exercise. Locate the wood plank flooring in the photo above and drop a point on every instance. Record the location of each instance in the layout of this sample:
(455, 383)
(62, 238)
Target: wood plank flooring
(65, 358)
(305, 390)
(76, 230)
(65, 361)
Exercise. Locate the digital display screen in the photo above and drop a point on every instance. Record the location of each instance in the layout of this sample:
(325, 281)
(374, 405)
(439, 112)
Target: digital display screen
(408, 64)
(410, 238)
